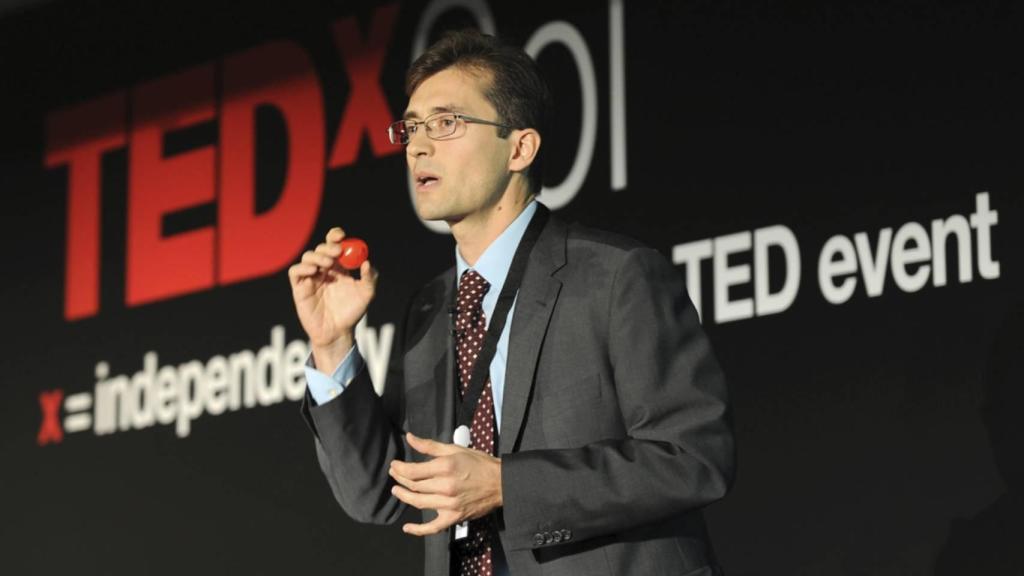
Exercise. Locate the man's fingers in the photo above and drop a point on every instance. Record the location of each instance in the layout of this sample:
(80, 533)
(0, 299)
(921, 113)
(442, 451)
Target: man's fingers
(335, 234)
(414, 485)
(330, 249)
(422, 470)
(433, 485)
(301, 270)
(435, 526)
(322, 261)
(423, 501)
(299, 276)
(438, 466)
(430, 447)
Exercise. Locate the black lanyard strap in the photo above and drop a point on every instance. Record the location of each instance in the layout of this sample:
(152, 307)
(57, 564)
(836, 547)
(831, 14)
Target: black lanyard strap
(506, 298)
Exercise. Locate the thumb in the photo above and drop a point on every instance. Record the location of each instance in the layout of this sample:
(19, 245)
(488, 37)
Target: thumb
(367, 276)
(366, 270)
(427, 446)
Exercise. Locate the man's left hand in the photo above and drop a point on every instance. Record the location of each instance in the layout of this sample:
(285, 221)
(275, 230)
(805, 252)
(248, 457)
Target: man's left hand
(460, 483)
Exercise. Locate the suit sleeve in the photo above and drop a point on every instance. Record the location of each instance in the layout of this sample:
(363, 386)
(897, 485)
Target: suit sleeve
(677, 454)
(356, 436)
(355, 441)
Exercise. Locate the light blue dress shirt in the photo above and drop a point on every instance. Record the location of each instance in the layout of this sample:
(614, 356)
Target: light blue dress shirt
(493, 265)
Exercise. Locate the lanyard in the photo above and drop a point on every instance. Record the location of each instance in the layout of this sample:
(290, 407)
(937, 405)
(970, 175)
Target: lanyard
(482, 368)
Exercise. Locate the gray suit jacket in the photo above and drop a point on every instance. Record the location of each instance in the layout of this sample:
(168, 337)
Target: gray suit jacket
(615, 429)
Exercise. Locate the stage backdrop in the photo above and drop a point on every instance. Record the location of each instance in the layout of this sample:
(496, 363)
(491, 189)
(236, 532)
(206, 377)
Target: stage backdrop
(838, 183)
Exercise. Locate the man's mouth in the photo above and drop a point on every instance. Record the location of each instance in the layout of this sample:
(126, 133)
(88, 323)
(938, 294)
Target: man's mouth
(424, 180)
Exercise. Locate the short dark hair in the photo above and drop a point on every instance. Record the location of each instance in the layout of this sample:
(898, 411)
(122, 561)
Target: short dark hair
(517, 91)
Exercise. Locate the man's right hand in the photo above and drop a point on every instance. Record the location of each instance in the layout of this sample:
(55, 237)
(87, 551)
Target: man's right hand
(330, 301)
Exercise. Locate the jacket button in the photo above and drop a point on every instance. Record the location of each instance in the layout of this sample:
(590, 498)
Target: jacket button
(566, 535)
(538, 539)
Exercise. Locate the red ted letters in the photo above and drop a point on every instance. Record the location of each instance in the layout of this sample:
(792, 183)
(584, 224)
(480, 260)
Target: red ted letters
(242, 244)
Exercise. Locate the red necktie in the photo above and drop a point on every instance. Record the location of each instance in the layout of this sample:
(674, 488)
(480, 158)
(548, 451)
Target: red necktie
(473, 553)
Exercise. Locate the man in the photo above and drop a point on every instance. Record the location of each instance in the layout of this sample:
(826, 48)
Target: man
(599, 428)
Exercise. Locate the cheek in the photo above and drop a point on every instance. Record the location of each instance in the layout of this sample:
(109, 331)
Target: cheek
(491, 170)
(475, 167)
(463, 172)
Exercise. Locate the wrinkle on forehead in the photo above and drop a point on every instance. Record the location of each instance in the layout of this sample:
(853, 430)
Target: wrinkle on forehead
(482, 77)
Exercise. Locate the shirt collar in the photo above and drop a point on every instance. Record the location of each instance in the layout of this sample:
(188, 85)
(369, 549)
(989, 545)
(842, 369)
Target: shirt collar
(494, 263)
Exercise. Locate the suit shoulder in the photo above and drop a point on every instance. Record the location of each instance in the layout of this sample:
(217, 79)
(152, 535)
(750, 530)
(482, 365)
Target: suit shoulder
(584, 240)
(596, 260)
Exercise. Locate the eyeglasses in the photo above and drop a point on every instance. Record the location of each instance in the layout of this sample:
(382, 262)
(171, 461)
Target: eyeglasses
(440, 126)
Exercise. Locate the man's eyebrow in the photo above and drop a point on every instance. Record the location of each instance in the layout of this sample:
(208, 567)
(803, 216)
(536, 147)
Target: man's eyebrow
(410, 115)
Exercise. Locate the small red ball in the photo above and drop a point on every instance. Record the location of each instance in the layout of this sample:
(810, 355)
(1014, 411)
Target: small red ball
(353, 253)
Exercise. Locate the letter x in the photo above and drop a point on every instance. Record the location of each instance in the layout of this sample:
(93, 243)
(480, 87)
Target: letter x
(50, 431)
(367, 109)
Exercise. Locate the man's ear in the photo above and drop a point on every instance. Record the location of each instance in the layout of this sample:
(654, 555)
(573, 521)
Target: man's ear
(525, 145)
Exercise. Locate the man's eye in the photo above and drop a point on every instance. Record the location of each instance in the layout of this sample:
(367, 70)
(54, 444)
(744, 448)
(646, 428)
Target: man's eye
(447, 122)
(411, 128)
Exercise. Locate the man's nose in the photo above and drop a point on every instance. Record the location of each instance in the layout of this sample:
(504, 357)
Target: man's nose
(419, 144)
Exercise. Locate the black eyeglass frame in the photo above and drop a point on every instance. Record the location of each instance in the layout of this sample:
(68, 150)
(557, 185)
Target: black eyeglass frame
(394, 136)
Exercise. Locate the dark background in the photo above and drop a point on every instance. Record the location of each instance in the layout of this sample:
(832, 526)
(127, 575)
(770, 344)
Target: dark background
(880, 436)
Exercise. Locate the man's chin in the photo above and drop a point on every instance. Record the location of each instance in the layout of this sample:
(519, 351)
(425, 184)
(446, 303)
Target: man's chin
(429, 215)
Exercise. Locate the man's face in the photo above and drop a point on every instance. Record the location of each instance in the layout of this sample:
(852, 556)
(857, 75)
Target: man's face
(463, 176)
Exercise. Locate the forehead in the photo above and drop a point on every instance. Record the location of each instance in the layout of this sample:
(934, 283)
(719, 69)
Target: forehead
(450, 90)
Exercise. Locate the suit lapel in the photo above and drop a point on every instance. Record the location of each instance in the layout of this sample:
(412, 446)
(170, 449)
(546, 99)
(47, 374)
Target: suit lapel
(432, 400)
(444, 372)
(534, 306)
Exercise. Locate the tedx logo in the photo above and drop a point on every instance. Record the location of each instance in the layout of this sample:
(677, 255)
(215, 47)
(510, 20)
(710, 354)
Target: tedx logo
(76, 419)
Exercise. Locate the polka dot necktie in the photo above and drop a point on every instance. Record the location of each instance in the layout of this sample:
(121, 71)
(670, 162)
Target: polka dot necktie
(473, 553)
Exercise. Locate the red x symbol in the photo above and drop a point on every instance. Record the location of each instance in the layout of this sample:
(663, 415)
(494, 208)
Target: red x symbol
(50, 431)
